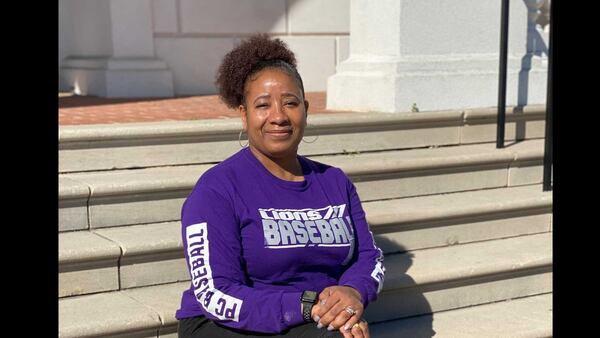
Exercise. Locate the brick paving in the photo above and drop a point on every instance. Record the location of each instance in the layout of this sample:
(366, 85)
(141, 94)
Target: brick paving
(74, 110)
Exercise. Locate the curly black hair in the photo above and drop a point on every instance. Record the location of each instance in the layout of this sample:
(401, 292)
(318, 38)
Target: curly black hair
(249, 57)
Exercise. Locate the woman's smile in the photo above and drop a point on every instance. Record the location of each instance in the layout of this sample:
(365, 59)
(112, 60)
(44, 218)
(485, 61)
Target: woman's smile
(279, 134)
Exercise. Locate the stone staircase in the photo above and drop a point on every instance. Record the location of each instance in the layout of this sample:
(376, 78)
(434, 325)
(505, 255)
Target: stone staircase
(466, 228)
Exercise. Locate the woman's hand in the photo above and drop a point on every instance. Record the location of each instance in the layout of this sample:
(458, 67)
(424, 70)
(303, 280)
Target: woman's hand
(358, 330)
(338, 307)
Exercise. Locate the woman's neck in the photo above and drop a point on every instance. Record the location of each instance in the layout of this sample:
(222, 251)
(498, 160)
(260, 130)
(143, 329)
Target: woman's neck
(286, 168)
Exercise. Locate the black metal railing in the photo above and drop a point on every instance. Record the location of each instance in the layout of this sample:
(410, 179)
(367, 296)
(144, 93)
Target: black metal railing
(501, 119)
(502, 78)
(549, 111)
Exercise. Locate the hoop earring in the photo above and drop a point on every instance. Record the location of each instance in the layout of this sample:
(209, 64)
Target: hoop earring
(313, 141)
(240, 140)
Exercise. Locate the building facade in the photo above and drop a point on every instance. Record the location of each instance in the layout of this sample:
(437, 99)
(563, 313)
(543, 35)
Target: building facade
(385, 55)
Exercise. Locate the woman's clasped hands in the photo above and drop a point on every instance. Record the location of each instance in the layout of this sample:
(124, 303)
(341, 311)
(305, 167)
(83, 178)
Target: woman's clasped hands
(341, 308)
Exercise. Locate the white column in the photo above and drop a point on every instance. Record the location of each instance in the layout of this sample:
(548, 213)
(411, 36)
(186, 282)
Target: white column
(437, 55)
(111, 52)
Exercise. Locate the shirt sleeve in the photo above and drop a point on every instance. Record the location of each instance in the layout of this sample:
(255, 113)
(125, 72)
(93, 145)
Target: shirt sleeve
(213, 252)
(366, 272)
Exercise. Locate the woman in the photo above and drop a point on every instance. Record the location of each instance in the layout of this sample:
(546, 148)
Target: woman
(273, 240)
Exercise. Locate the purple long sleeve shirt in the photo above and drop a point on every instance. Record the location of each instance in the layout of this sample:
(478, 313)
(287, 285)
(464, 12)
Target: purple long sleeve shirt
(253, 242)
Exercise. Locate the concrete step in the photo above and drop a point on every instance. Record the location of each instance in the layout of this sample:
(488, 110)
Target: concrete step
(417, 283)
(440, 279)
(153, 195)
(72, 204)
(148, 254)
(151, 254)
(140, 145)
(87, 263)
(529, 317)
(142, 312)
(449, 219)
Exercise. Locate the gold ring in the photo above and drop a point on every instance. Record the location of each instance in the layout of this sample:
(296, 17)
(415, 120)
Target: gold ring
(355, 325)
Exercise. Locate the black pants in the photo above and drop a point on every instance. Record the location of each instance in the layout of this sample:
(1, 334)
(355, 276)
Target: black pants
(196, 327)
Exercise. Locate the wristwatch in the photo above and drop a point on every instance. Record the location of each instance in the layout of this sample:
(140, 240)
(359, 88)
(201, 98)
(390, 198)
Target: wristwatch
(309, 298)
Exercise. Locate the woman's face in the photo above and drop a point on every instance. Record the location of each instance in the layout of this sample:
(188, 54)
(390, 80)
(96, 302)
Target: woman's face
(275, 113)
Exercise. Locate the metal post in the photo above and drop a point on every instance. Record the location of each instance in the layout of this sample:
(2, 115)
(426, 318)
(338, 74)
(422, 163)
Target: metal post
(549, 111)
(502, 80)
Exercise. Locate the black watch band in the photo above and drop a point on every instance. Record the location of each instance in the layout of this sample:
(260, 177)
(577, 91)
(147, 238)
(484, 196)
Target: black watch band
(309, 298)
